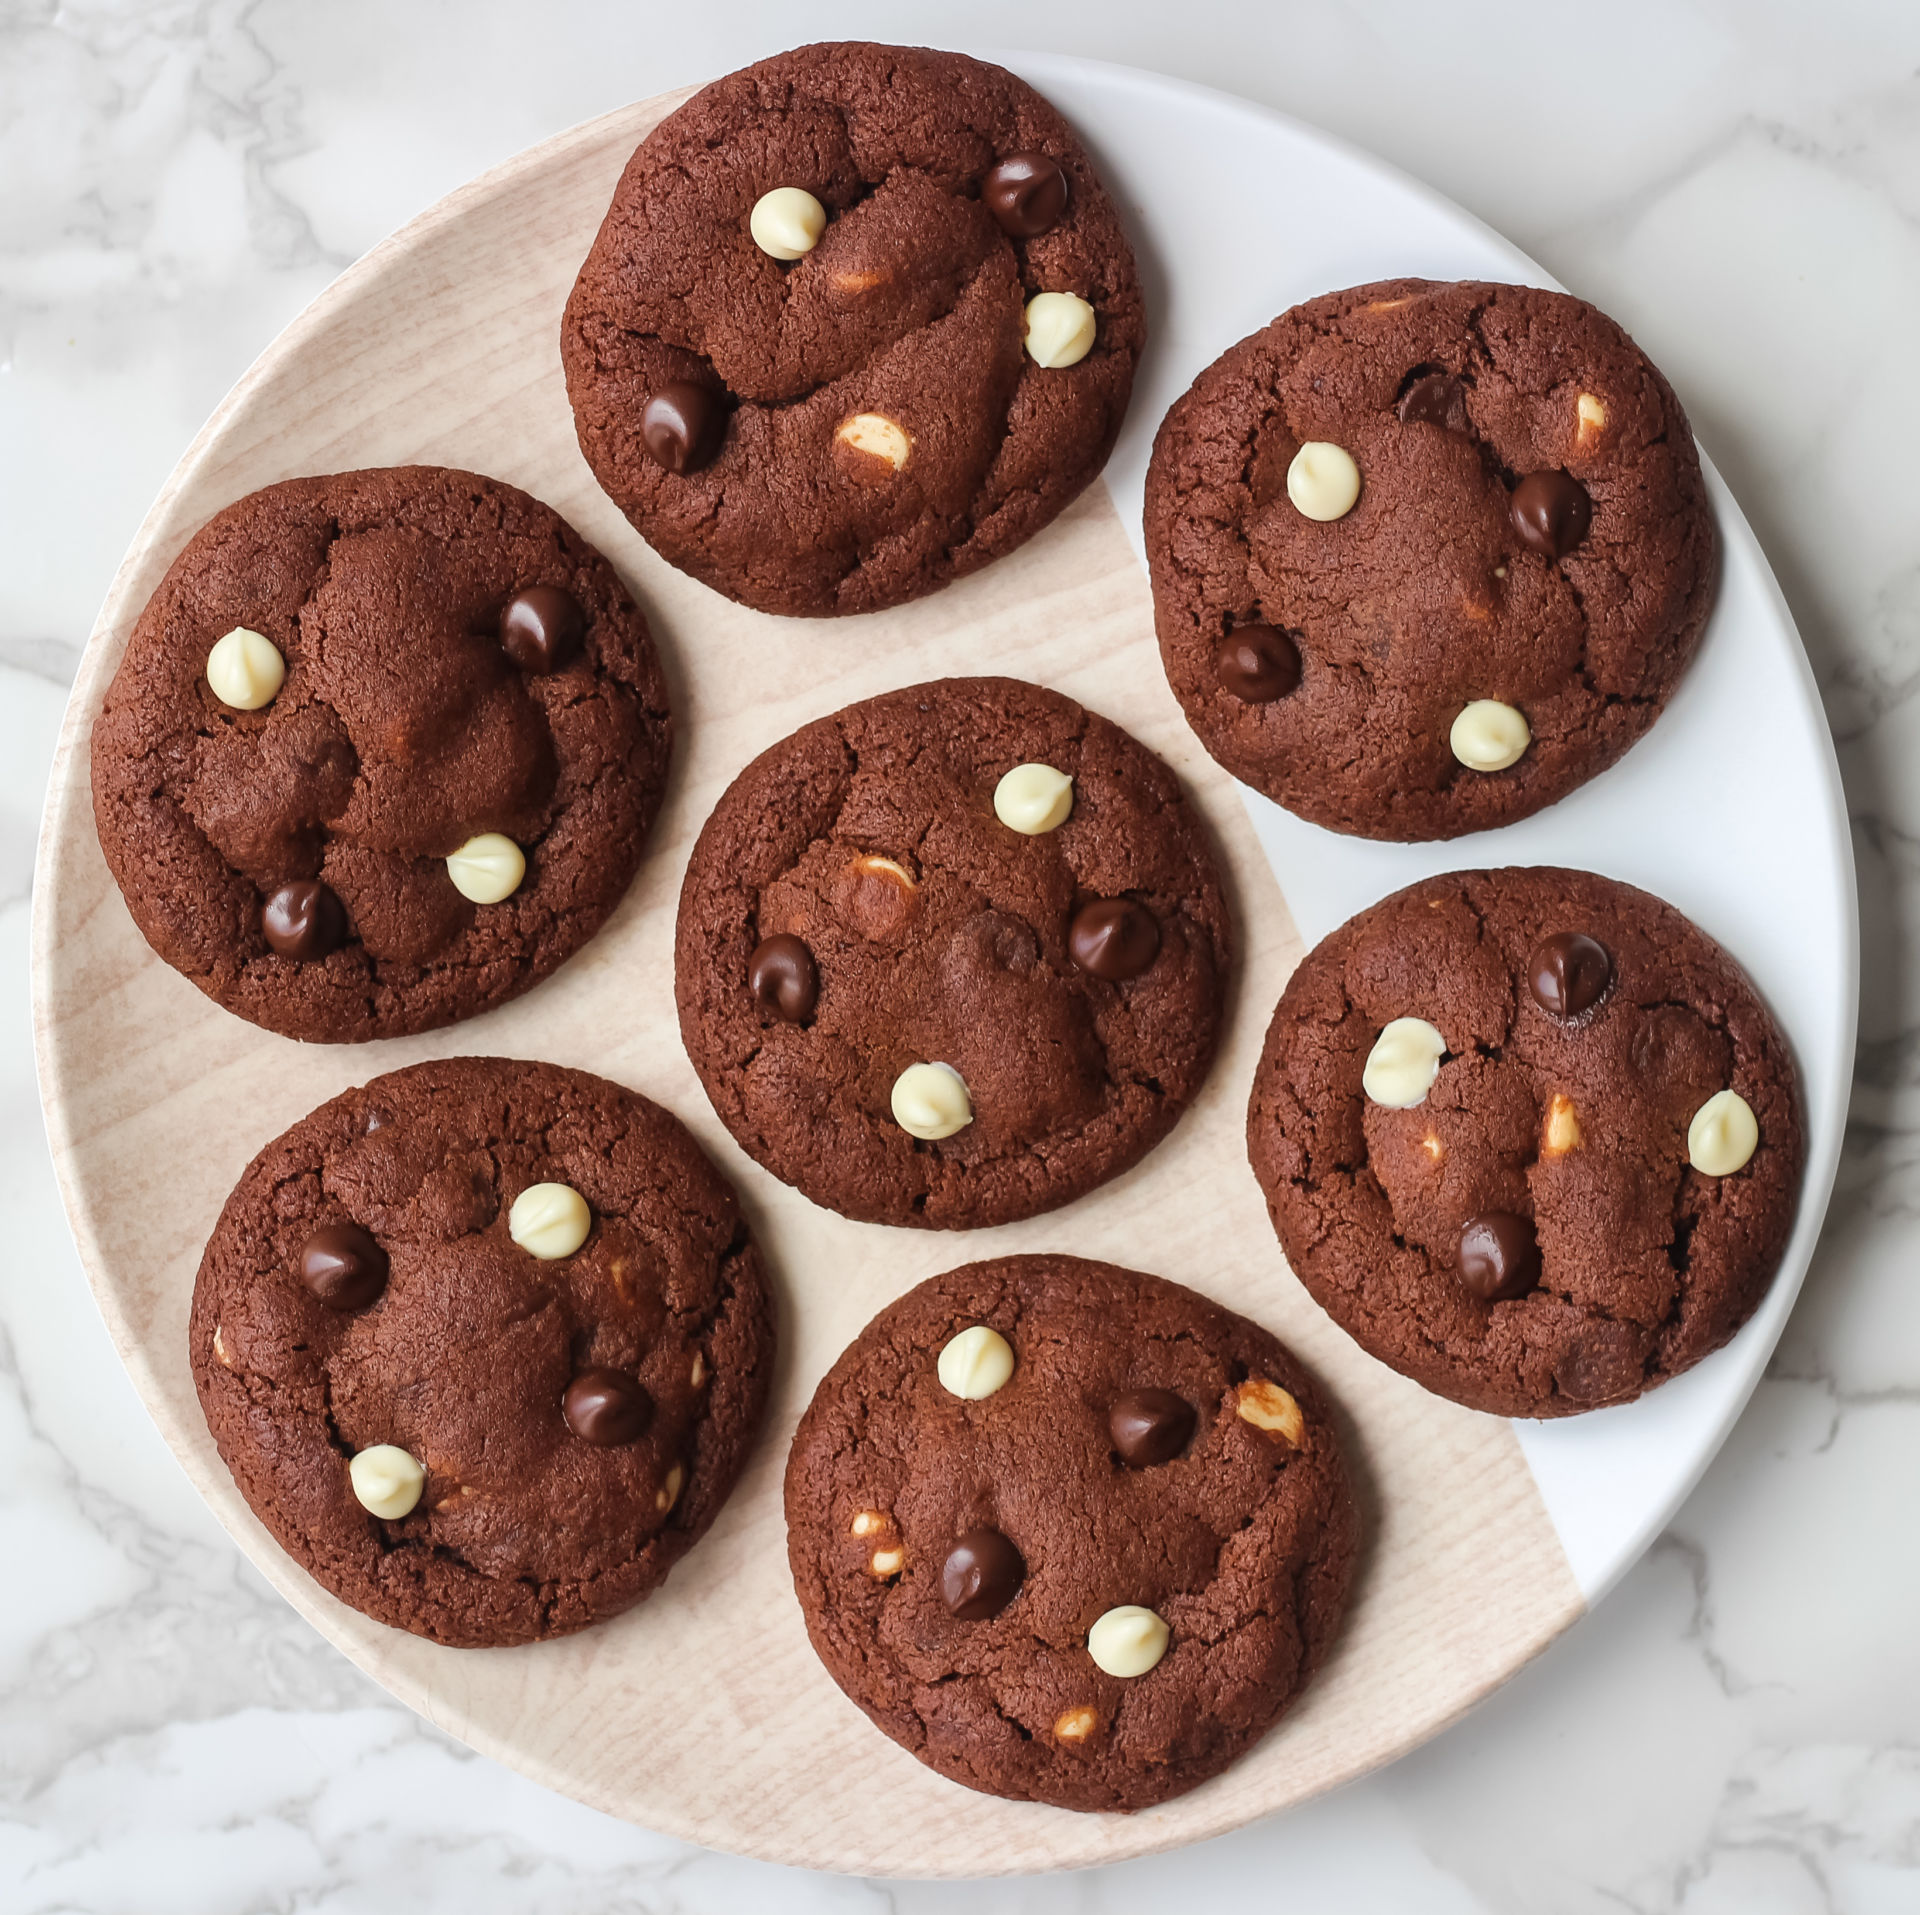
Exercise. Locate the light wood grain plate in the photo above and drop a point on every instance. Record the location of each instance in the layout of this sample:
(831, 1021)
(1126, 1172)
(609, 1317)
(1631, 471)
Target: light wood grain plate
(704, 1713)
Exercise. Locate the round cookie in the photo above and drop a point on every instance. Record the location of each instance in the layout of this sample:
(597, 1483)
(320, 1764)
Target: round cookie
(402, 1278)
(458, 665)
(918, 1013)
(960, 1558)
(1503, 608)
(1493, 1127)
(861, 414)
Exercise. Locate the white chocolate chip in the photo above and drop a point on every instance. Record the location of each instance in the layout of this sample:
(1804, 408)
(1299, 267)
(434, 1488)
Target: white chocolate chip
(1723, 1135)
(787, 222)
(487, 868)
(1489, 736)
(1032, 799)
(975, 1363)
(1432, 1145)
(1323, 482)
(886, 1563)
(1075, 1725)
(930, 1101)
(668, 1493)
(877, 436)
(1562, 1131)
(870, 1522)
(245, 669)
(1127, 1641)
(549, 1221)
(387, 1481)
(1268, 1407)
(1060, 328)
(698, 1374)
(1591, 413)
(1403, 1063)
(222, 1355)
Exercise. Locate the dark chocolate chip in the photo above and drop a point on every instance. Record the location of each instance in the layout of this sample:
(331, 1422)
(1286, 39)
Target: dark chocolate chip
(983, 1573)
(782, 977)
(606, 1408)
(304, 919)
(1150, 1426)
(1113, 938)
(1499, 1256)
(541, 628)
(343, 1267)
(1569, 973)
(1438, 399)
(1026, 193)
(1551, 512)
(680, 425)
(1257, 664)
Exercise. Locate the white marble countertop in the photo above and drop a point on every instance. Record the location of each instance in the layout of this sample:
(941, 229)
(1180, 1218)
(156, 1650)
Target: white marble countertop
(1738, 1726)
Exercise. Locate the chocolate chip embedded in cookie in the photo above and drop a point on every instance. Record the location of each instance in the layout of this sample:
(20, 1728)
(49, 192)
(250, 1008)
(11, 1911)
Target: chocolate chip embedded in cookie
(951, 956)
(1098, 1582)
(1425, 557)
(1528, 1136)
(384, 750)
(860, 320)
(485, 1345)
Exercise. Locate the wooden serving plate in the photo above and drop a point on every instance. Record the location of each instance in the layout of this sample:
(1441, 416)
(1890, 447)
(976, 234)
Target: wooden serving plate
(703, 1713)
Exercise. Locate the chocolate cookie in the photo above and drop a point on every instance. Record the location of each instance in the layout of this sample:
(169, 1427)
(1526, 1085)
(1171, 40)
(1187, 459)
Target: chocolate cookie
(1069, 1533)
(484, 1344)
(860, 319)
(1528, 1136)
(382, 752)
(1426, 557)
(951, 956)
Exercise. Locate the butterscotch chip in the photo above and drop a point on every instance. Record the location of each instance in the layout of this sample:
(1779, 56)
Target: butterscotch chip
(875, 437)
(568, 1458)
(1268, 1407)
(1094, 1587)
(1566, 1254)
(1561, 1132)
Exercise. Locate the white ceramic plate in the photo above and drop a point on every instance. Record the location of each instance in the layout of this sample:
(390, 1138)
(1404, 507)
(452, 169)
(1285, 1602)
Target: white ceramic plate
(1730, 808)
(710, 1718)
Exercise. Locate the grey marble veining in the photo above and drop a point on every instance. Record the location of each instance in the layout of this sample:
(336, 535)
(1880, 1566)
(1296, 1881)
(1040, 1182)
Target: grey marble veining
(1738, 1727)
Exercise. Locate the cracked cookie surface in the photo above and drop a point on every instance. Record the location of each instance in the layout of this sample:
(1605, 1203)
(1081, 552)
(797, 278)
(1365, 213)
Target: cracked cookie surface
(403, 729)
(937, 934)
(523, 1530)
(909, 309)
(1241, 1541)
(1426, 596)
(1577, 1125)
